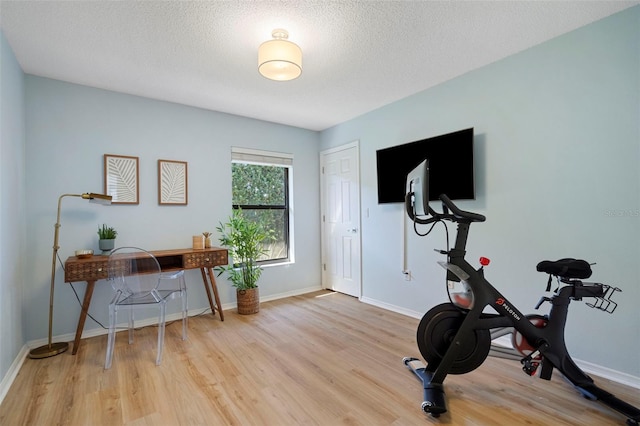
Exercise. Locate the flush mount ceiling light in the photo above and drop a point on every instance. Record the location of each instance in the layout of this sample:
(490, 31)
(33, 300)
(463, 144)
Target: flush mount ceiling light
(279, 59)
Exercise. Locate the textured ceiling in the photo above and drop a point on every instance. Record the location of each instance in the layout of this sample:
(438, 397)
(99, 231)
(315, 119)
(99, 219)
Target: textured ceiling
(357, 55)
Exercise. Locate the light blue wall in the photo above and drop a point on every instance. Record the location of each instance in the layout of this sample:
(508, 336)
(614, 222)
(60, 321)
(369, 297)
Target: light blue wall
(12, 205)
(557, 150)
(70, 127)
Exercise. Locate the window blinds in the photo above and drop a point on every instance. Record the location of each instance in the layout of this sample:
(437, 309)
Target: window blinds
(245, 155)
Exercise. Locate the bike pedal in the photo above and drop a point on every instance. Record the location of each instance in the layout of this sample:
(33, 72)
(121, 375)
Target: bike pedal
(530, 368)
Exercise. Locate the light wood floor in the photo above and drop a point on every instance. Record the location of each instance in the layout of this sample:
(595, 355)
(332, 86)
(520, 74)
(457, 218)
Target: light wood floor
(317, 359)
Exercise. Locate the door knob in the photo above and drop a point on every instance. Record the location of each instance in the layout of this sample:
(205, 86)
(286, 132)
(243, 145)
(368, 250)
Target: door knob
(354, 230)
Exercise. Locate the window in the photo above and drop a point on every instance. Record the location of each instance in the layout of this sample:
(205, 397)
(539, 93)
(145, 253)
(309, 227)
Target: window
(261, 184)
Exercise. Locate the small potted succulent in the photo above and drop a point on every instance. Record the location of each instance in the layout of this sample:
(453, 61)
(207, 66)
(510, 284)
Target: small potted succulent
(107, 236)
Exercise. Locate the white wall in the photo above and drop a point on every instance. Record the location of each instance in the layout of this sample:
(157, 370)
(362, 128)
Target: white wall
(12, 204)
(70, 127)
(557, 150)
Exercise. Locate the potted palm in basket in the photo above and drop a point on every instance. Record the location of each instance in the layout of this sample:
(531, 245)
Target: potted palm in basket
(245, 240)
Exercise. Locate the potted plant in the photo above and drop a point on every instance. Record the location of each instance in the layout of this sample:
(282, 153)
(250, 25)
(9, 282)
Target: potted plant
(107, 237)
(244, 239)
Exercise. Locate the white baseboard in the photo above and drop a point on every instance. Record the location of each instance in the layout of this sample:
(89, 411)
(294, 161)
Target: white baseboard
(14, 368)
(587, 367)
(607, 373)
(393, 308)
(296, 292)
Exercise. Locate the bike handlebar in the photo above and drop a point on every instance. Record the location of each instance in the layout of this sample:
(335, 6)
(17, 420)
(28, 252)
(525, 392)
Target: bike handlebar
(456, 214)
(461, 214)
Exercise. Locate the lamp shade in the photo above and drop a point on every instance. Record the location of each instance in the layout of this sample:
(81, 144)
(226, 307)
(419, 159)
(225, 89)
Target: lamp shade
(98, 198)
(279, 59)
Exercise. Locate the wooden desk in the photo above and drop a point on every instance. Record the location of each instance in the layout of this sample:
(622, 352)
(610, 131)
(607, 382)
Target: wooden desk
(95, 268)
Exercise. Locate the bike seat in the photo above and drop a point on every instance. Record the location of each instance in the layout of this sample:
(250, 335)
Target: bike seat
(566, 268)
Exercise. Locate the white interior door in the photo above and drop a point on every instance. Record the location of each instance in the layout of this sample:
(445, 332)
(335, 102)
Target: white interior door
(341, 241)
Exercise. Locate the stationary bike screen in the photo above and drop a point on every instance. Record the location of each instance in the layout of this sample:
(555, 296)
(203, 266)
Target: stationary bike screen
(418, 188)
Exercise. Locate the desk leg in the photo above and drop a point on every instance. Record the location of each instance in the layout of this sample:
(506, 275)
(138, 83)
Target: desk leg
(206, 287)
(214, 286)
(83, 315)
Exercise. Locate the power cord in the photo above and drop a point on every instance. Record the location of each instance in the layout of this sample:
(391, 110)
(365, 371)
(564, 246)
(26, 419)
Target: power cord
(446, 229)
(415, 228)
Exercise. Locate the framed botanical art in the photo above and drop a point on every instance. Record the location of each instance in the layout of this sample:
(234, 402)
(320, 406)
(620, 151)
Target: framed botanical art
(172, 182)
(121, 179)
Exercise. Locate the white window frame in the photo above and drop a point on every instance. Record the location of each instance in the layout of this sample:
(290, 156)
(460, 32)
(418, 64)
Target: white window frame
(271, 158)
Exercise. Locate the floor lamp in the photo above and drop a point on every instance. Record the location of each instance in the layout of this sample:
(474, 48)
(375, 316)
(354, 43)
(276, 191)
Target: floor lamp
(52, 349)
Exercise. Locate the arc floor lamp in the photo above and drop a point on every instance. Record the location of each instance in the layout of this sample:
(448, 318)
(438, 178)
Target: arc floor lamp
(52, 349)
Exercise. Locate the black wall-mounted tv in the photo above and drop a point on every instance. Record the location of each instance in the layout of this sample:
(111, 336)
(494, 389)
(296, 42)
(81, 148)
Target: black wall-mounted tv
(450, 167)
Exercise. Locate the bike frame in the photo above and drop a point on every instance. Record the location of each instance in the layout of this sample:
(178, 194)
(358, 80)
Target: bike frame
(548, 341)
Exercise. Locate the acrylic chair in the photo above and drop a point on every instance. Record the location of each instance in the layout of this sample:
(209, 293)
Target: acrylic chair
(139, 282)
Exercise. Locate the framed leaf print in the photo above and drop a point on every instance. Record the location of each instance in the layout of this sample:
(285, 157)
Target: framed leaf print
(121, 178)
(172, 182)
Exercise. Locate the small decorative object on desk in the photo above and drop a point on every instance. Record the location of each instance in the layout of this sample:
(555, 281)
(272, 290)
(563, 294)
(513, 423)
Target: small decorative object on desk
(107, 236)
(198, 241)
(207, 239)
(84, 254)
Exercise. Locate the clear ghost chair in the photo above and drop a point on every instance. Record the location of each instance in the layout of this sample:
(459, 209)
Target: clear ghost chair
(139, 282)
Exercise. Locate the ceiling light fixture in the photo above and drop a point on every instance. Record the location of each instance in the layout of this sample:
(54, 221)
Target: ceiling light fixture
(279, 59)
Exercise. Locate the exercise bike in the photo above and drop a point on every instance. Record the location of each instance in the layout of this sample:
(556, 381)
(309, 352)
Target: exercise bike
(455, 337)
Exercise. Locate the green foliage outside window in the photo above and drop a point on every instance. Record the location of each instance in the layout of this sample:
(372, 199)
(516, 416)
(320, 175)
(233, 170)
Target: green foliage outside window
(258, 185)
(261, 192)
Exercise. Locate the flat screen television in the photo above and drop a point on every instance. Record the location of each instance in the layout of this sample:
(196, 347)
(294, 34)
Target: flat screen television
(450, 158)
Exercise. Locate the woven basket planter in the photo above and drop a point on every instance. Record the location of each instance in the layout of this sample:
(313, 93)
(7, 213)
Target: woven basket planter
(248, 301)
